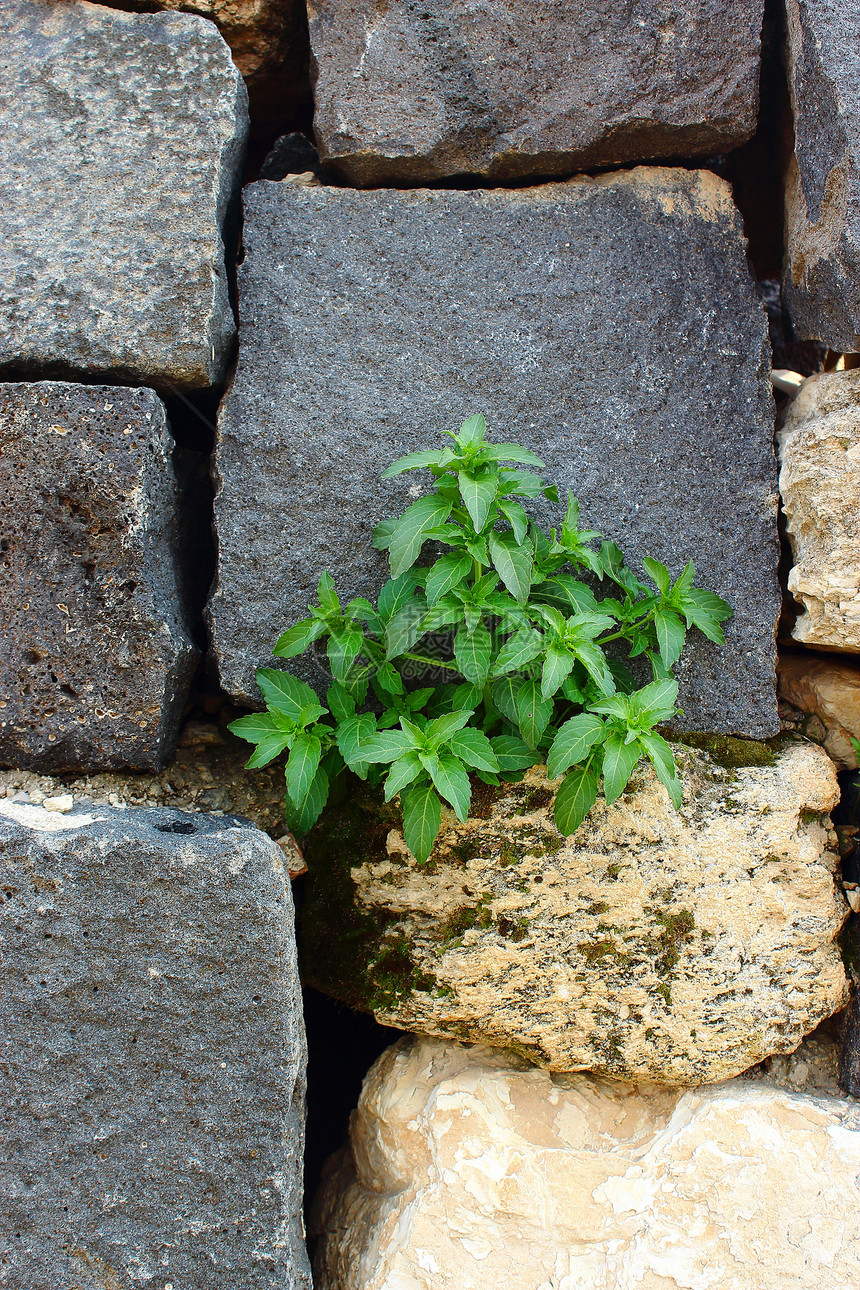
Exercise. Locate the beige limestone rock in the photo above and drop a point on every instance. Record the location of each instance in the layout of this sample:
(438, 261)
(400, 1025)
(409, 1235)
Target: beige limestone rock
(468, 1172)
(678, 947)
(828, 690)
(820, 485)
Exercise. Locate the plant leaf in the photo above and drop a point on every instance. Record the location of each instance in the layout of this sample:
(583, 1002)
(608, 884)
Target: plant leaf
(574, 799)
(440, 730)
(267, 750)
(512, 452)
(448, 572)
(408, 537)
(396, 592)
(518, 650)
(516, 517)
(302, 765)
(412, 461)
(402, 772)
(472, 430)
(285, 693)
(662, 759)
(573, 742)
(619, 760)
(533, 712)
(343, 649)
(478, 493)
(670, 636)
(656, 702)
(474, 748)
(513, 561)
(296, 640)
(404, 629)
(512, 753)
(472, 653)
(452, 782)
(385, 746)
(558, 665)
(504, 696)
(302, 817)
(659, 574)
(422, 815)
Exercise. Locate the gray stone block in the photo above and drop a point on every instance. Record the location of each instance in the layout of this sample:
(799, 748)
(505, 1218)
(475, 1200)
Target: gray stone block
(610, 325)
(121, 143)
(513, 88)
(95, 659)
(822, 221)
(153, 1054)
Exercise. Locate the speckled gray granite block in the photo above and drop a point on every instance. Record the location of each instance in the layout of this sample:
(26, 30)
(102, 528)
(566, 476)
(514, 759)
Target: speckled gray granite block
(153, 1054)
(121, 143)
(410, 92)
(822, 220)
(95, 657)
(610, 325)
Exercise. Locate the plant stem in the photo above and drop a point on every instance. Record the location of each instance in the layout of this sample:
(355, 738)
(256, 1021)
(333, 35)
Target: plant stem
(432, 662)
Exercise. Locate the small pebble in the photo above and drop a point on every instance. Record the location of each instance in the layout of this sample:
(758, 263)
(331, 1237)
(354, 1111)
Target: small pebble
(62, 803)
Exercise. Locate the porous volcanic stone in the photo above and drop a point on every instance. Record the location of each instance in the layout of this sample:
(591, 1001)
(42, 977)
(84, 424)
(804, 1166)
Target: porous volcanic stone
(822, 219)
(819, 480)
(95, 659)
(153, 1054)
(121, 141)
(680, 947)
(514, 88)
(467, 1170)
(610, 325)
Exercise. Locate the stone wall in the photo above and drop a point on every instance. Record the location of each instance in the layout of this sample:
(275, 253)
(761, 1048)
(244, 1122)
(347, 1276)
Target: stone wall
(208, 356)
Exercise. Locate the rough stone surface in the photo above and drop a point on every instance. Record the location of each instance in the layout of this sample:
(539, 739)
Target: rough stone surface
(269, 43)
(610, 325)
(828, 692)
(822, 220)
(95, 660)
(412, 92)
(467, 1171)
(121, 141)
(153, 1054)
(820, 485)
(681, 948)
(205, 774)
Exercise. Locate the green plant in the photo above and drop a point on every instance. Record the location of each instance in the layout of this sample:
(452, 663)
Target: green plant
(513, 640)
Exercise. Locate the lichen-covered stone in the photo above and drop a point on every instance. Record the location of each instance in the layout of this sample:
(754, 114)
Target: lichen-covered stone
(373, 321)
(95, 658)
(820, 485)
(153, 1054)
(121, 143)
(467, 1171)
(827, 691)
(513, 88)
(822, 219)
(652, 945)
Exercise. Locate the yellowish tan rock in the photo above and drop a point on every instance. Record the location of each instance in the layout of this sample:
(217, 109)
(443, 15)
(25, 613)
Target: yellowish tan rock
(828, 690)
(468, 1172)
(820, 485)
(678, 947)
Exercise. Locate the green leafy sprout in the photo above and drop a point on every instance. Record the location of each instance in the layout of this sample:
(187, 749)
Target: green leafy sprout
(510, 642)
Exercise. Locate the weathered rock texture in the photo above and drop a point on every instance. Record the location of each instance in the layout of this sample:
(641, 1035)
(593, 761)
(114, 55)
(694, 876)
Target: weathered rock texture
(121, 140)
(509, 89)
(95, 660)
(828, 692)
(822, 221)
(680, 948)
(153, 1054)
(610, 325)
(468, 1171)
(820, 485)
(269, 43)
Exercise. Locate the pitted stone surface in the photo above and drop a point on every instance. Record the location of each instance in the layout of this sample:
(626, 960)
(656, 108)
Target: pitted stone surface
(513, 88)
(466, 1170)
(121, 141)
(610, 325)
(819, 481)
(822, 222)
(95, 659)
(679, 947)
(153, 1054)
